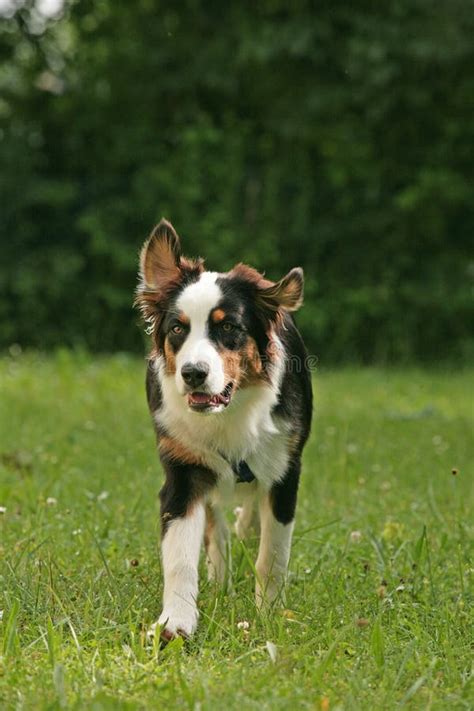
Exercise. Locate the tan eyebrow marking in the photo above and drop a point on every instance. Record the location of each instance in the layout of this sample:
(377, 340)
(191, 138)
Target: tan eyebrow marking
(218, 315)
(182, 318)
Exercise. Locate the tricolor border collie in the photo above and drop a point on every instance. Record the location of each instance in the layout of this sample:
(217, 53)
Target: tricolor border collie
(230, 394)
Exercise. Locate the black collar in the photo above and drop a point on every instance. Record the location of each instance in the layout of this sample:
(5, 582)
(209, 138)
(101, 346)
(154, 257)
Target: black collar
(242, 471)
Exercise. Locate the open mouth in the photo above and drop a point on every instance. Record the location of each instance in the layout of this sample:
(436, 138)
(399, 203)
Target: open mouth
(202, 402)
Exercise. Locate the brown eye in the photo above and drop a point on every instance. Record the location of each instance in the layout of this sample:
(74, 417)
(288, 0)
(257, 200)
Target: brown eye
(227, 327)
(177, 330)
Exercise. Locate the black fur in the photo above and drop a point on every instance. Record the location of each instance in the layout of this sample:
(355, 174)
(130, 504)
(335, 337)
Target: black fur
(295, 401)
(240, 303)
(153, 390)
(284, 493)
(184, 484)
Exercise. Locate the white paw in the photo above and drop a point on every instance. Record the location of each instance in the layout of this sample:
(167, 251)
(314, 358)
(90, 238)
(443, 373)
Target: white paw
(175, 622)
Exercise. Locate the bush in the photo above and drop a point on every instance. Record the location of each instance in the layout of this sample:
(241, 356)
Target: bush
(337, 138)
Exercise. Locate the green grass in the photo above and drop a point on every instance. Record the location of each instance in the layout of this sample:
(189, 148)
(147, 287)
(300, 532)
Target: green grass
(379, 602)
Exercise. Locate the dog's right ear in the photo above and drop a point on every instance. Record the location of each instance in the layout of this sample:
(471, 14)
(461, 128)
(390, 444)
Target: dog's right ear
(159, 269)
(162, 268)
(159, 258)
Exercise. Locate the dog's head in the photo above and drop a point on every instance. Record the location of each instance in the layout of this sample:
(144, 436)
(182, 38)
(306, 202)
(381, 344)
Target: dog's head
(215, 332)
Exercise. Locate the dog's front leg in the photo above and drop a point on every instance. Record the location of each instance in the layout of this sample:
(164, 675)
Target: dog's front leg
(183, 520)
(277, 512)
(180, 548)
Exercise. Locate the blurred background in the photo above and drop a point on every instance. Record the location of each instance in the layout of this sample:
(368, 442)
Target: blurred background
(332, 135)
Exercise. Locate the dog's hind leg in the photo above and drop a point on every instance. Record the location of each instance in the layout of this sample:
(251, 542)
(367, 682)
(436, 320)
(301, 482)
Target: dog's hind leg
(277, 512)
(217, 542)
(246, 513)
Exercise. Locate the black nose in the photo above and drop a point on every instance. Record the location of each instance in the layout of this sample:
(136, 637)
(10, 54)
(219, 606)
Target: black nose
(194, 374)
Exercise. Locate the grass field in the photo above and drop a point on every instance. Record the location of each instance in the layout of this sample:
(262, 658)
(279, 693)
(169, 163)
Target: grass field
(380, 598)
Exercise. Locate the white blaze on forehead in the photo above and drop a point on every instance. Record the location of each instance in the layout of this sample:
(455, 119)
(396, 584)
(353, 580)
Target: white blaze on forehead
(197, 299)
(196, 302)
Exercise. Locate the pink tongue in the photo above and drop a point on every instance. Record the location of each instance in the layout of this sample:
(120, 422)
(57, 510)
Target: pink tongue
(200, 398)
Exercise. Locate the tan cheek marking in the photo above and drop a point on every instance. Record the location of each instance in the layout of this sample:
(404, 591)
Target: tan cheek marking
(170, 359)
(232, 367)
(218, 315)
(252, 364)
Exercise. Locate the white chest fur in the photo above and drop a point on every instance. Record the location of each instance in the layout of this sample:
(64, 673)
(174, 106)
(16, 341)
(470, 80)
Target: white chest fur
(245, 431)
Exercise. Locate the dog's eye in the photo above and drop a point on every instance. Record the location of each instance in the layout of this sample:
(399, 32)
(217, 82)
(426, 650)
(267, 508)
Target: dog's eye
(177, 329)
(228, 327)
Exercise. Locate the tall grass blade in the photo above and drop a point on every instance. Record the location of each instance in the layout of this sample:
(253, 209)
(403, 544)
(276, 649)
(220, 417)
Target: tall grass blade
(377, 643)
(10, 642)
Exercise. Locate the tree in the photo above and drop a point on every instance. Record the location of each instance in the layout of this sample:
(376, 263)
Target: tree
(332, 136)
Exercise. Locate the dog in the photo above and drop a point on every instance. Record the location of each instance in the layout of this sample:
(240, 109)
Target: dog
(229, 391)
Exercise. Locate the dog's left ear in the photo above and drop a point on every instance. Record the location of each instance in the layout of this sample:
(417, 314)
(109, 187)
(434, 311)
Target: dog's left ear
(286, 294)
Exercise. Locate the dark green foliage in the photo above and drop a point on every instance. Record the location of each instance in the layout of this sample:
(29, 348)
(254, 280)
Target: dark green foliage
(335, 136)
